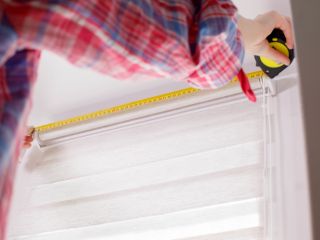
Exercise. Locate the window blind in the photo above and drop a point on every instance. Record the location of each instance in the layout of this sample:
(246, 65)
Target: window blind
(193, 176)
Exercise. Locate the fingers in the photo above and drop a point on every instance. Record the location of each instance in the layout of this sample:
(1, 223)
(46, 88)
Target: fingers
(30, 131)
(26, 145)
(290, 39)
(27, 141)
(269, 52)
(28, 138)
(284, 23)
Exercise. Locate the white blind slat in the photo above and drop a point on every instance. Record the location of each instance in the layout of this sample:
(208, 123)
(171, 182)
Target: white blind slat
(219, 220)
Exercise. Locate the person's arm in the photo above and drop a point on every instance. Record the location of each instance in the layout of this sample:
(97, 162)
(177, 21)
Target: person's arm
(17, 76)
(198, 41)
(193, 40)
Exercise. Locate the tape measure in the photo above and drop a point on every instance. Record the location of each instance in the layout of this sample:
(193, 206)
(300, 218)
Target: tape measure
(277, 40)
(131, 105)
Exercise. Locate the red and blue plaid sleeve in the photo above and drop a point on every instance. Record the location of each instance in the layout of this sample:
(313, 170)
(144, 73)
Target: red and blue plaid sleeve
(16, 81)
(186, 40)
(17, 74)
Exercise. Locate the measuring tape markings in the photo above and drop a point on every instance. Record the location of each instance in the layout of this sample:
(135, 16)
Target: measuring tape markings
(131, 105)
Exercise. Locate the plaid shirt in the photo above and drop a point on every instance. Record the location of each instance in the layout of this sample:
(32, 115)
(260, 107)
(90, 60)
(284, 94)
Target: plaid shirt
(188, 40)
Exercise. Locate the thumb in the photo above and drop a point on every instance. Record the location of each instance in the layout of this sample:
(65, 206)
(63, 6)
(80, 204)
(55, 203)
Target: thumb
(271, 53)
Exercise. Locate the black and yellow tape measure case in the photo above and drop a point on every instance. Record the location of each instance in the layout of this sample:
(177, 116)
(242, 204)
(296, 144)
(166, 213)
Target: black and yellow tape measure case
(277, 40)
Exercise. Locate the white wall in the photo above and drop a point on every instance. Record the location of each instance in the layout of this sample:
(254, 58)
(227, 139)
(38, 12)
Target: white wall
(307, 19)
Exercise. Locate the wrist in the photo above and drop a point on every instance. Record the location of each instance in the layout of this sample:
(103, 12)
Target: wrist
(250, 35)
(242, 23)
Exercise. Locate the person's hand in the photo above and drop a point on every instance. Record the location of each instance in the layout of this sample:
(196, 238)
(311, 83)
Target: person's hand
(27, 141)
(254, 33)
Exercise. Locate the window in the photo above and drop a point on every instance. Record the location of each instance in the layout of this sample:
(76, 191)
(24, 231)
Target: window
(193, 172)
